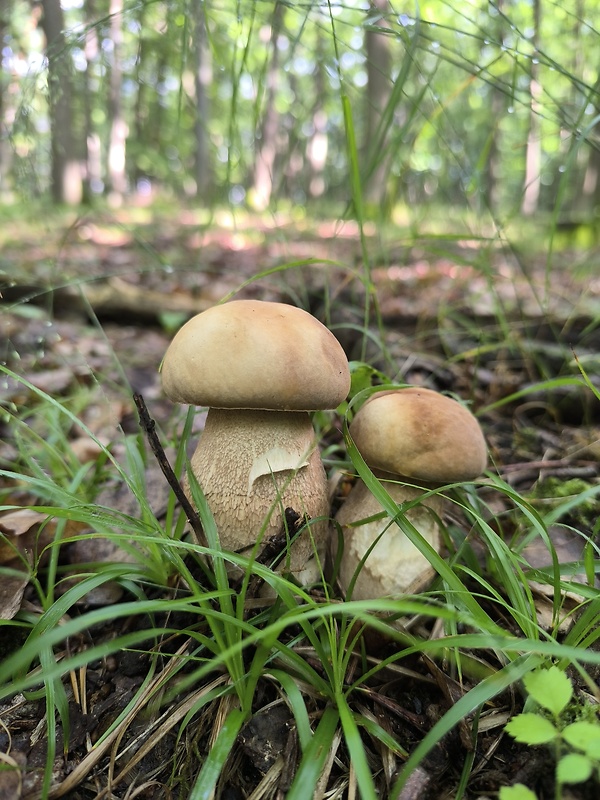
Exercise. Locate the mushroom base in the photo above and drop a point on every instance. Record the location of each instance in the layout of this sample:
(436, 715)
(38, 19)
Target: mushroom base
(394, 566)
(252, 465)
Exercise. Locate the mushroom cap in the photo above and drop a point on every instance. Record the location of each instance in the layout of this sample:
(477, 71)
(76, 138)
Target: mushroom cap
(253, 354)
(419, 433)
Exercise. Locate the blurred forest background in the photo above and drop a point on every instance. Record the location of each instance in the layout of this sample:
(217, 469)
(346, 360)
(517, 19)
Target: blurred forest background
(490, 107)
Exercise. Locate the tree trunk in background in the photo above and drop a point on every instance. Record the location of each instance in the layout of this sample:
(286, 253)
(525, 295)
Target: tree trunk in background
(492, 170)
(379, 88)
(4, 122)
(117, 178)
(591, 180)
(93, 183)
(533, 155)
(66, 170)
(316, 150)
(267, 143)
(202, 80)
(590, 187)
(140, 109)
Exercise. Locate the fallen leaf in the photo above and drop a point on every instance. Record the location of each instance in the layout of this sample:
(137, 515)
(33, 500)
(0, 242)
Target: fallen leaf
(18, 522)
(86, 449)
(10, 778)
(12, 588)
(21, 529)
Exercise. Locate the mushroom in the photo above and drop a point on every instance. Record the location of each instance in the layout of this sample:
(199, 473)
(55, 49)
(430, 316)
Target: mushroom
(260, 367)
(405, 436)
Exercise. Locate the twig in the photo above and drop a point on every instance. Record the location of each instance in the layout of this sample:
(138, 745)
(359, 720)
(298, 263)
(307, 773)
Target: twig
(149, 427)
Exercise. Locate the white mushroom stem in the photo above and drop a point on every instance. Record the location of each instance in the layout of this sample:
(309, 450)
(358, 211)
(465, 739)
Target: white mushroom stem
(394, 566)
(251, 466)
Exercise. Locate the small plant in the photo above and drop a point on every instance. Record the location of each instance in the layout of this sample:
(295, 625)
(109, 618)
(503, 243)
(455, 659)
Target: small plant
(573, 731)
(516, 792)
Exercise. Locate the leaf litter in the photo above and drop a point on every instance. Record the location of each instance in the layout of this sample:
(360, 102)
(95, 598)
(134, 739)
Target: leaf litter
(96, 327)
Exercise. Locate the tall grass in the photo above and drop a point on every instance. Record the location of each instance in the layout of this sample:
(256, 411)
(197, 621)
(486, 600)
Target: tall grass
(214, 653)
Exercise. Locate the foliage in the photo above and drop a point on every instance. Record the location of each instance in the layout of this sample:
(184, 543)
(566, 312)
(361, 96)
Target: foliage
(458, 101)
(230, 653)
(448, 155)
(516, 792)
(571, 729)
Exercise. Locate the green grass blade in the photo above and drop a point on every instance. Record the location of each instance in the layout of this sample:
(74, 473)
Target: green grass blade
(208, 777)
(314, 756)
(356, 750)
(297, 704)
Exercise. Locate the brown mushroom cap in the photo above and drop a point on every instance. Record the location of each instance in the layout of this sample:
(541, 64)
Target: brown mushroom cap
(252, 354)
(421, 434)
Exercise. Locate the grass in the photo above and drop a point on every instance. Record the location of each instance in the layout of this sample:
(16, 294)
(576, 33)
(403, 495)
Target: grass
(311, 649)
(348, 673)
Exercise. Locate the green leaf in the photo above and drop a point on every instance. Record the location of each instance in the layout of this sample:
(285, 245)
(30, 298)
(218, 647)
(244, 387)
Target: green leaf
(516, 792)
(314, 756)
(207, 779)
(356, 748)
(550, 688)
(584, 736)
(531, 729)
(573, 768)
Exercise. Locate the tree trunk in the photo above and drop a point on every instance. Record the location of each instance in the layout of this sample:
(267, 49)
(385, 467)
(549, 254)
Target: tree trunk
(4, 122)
(93, 183)
(267, 143)
(66, 170)
(591, 180)
(117, 179)
(533, 154)
(318, 144)
(491, 189)
(202, 80)
(379, 88)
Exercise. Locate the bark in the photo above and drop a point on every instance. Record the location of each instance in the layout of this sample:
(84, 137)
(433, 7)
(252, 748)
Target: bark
(533, 155)
(93, 183)
(202, 81)
(4, 122)
(140, 110)
(318, 144)
(591, 181)
(267, 143)
(492, 182)
(66, 170)
(379, 88)
(117, 178)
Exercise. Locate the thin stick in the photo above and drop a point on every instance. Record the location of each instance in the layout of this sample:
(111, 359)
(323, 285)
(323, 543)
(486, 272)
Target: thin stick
(149, 427)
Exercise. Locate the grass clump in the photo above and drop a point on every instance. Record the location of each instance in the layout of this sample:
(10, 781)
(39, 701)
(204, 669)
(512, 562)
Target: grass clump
(212, 656)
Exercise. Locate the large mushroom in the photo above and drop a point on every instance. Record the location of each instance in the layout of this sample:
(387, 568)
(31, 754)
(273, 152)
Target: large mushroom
(260, 367)
(405, 436)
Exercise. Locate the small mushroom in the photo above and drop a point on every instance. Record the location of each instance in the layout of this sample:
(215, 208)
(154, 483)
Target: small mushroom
(410, 435)
(260, 367)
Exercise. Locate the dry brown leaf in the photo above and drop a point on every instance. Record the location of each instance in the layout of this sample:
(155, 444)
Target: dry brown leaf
(52, 381)
(20, 529)
(12, 588)
(99, 549)
(569, 548)
(10, 778)
(86, 449)
(18, 522)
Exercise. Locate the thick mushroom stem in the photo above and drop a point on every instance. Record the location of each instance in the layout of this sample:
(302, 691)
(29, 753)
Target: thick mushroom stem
(251, 466)
(394, 566)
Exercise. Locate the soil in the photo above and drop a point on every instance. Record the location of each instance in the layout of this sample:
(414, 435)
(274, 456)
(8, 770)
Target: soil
(99, 319)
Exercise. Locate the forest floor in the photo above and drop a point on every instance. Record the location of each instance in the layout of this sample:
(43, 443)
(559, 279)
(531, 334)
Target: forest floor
(90, 309)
